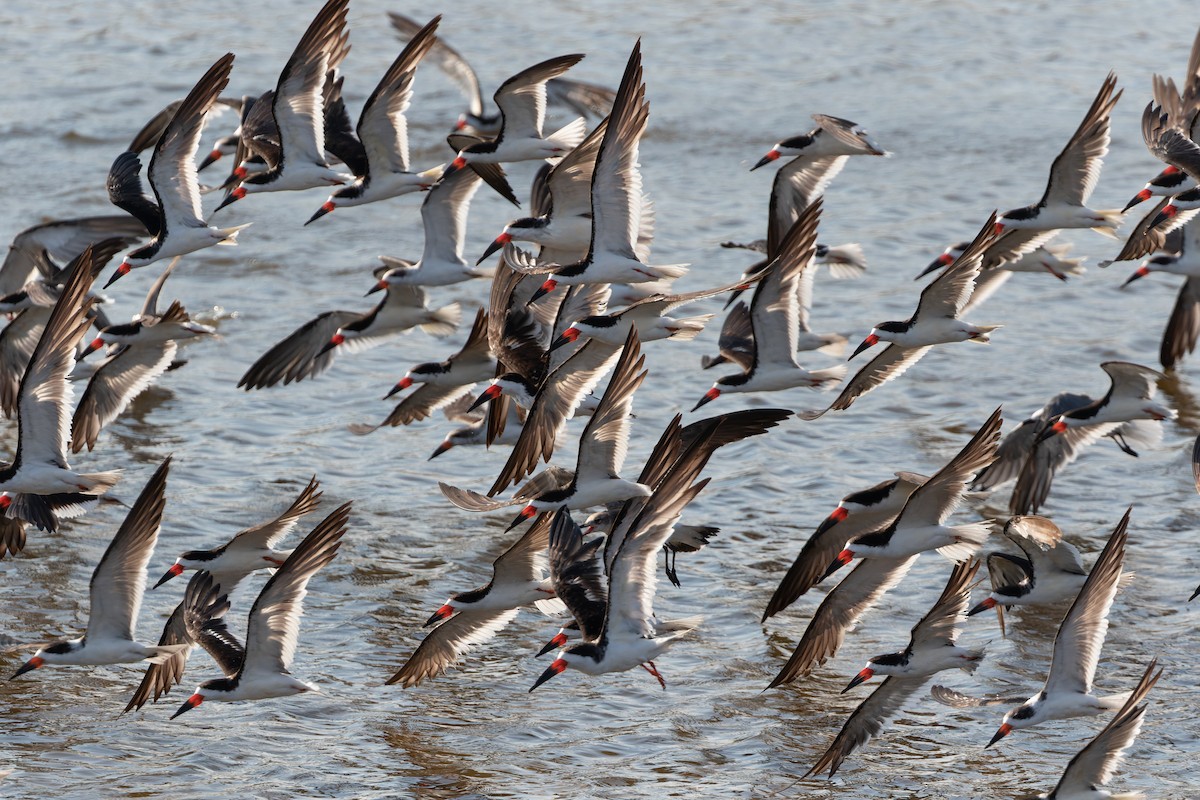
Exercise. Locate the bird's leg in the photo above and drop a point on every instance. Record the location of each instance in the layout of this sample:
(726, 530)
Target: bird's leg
(653, 670)
(672, 575)
(1124, 445)
(1054, 272)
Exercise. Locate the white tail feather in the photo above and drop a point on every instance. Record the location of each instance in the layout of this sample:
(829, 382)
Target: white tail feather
(1112, 221)
(845, 261)
(689, 328)
(98, 482)
(551, 607)
(983, 334)
(972, 662)
(969, 538)
(231, 234)
(826, 379)
(444, 321)
(667, 271)
(835, 345)
(674, 628)
(1113, 702)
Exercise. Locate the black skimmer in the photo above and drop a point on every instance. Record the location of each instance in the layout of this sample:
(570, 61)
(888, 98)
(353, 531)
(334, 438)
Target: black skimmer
(857, 513)
(1051, 258)
(1180, 109)
(603, 444)
(832, 138)
(1130, 397)
(116, 592)
(1050, 572)
(920, 526)
(1183, 327)
(932, 648)
(736, 340)
(1073, 176)
(1035, 464)
(999, 265)
(839, 612)
(522, 103)
(617, 201)
(550, 406)
(652, 317)
(259, 669)
(697, 441)
(561, 204)
(146, 349)
(310, 349)
(1168, 183)
(775, 317)
(549, 479)
(444, 218)
(1068, 689)
(301, 355)
(442, 382)
(18, 511)
(204, 599)
(875, 575)
(1169, 139)
(249, 549)
(32, 307)
(383, 130)
(519, 578)
(582, 98)
(258, 145)
(298, 108)
(473, 431)
(41, 249)
(1094, 765)
(934, 322)
(518, 336)
(403, 307)
(152, 131)
(180, 229)
(817, 158)
(627, 633)
(578, 577)
(39, 466)
(684, 538)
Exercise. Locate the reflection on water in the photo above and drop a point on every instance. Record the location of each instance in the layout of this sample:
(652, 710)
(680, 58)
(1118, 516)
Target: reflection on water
(973, 127)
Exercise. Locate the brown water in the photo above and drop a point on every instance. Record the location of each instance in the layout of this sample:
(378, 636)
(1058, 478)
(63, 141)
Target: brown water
(975, 99)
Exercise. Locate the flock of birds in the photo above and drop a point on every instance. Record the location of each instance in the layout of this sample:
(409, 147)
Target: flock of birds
(573, 299)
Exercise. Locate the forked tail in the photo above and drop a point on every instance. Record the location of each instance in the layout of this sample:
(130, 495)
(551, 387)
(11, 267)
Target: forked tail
(444, 321)
(231, 234)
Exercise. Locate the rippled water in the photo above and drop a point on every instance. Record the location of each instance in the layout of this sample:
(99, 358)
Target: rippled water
(975, 99)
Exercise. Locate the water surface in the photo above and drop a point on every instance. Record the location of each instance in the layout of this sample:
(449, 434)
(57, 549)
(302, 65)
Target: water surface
(974, 98)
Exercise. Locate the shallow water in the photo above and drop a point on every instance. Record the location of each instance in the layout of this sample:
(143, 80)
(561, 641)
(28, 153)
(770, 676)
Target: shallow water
(974, 98)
